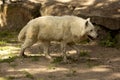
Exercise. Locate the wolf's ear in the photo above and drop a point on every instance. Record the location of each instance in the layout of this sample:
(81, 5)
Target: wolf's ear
(88, 19)
(87, 22)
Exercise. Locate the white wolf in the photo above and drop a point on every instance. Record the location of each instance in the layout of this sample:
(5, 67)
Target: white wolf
(65, 29)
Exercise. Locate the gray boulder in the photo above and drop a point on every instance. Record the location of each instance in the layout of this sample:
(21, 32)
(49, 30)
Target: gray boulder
(102, 12)
(17, 14)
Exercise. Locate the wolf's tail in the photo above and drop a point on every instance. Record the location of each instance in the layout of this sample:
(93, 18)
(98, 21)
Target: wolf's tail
(21, 35)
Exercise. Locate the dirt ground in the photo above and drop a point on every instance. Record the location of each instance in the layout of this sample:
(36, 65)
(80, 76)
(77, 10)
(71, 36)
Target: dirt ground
(94, 63)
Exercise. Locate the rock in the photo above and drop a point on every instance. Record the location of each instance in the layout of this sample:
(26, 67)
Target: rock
(102, 12)
(118, 40)
(18, 14)
(56, 8)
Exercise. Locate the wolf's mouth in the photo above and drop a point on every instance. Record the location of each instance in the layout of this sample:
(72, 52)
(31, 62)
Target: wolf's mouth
(90, 37)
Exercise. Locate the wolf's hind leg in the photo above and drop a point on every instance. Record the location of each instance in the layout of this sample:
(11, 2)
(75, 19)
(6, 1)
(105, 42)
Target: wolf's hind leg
(27, 43)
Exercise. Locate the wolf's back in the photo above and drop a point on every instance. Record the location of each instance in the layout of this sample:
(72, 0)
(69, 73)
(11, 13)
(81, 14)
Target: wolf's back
(21, 35)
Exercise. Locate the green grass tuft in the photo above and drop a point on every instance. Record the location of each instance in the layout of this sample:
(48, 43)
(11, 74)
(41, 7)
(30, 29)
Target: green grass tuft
(107, 43)
(3, 78)
(2, 43)
(9, 59)
(51, 66)
(92, 63)
(13, 65)
(83, 54)
(40, 79)
(29, 75)
(35, 58)
(58, 60)
(71, 73)
(10, 77)
(8, 37)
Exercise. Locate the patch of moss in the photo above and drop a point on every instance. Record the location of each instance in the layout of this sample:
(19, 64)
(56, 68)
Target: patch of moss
(35, 58)
(9, 59)
(29, 75)
(10, 77)
(58, 60)
(9, 37)
(109, 41)
(92, 63)
(51, 66)
(2, 43)
(83, 53)
(3, 78)
(71, 73)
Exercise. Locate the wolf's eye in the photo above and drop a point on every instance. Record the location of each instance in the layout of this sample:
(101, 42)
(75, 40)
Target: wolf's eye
(91, 30)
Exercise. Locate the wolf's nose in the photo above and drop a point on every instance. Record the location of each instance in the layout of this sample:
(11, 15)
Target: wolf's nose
(97, 36)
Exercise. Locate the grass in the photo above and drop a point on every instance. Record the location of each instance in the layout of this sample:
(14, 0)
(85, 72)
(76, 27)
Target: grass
(91, 63)
(2, 43)
(83, 53)
(58, 60)
(51, 66)
(108, 41)
(4, 48)
(8, 57)
(4, 34)
(51, 76)
(35, 58)
(72, 72)
(85, 41)
(7, 78)
(28, 75)
(40, 79)
(2, 78)
(8, 37)
(13, 65)
(10, 77)
(8, 60)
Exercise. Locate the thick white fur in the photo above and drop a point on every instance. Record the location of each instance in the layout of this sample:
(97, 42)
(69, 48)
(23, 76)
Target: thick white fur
(65, 29)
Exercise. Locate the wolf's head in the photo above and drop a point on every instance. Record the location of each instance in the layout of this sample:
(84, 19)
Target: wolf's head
(90, 29)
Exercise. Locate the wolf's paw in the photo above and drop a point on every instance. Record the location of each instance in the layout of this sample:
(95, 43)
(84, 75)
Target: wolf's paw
(48, 57)
(65, 60)
(23, 55)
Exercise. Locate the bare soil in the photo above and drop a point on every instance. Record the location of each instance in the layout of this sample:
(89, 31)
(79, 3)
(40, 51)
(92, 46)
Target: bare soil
(95, 63)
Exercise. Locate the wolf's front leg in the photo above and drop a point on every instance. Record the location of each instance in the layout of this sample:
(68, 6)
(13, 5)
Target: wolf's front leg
(76, 48)
(63, 48)
(46, 50)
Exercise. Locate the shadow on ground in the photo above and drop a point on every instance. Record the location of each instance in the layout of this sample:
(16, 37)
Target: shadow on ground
(98, 63)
